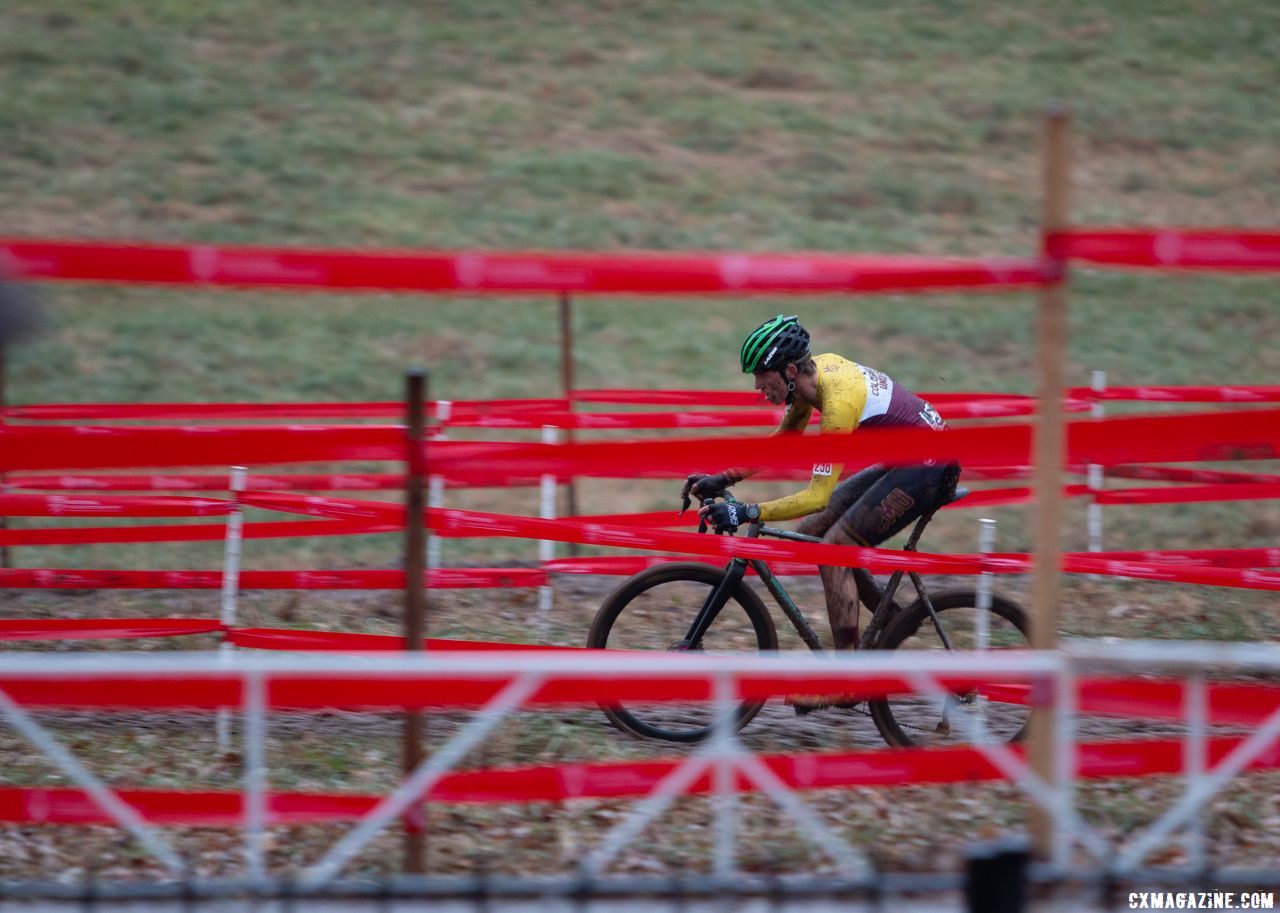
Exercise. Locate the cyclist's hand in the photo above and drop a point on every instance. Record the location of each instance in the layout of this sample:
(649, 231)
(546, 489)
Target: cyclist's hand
(701, 485)
(727, 516)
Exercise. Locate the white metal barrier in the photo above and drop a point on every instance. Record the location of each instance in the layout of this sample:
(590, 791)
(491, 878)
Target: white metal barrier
(724, 755)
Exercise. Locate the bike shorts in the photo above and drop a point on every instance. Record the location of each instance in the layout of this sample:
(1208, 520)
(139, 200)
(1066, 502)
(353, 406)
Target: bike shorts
(880, 501)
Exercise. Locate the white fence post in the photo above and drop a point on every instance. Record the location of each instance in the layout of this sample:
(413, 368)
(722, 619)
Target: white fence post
(1066, 763)
(1093, 518)
(230, 588)
(724, 797)
(1195, 762)
(982, 621)
(255, 774)
(546, 547)
(435, 484)
(982, 618)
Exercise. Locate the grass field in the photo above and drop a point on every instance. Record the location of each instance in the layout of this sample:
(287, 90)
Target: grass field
(905, 128)
(717, 126)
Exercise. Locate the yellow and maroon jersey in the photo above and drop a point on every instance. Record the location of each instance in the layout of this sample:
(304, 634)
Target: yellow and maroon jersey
(850, 396)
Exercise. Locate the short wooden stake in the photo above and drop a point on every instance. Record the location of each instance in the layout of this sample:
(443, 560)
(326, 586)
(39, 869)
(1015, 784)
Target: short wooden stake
(415, 603)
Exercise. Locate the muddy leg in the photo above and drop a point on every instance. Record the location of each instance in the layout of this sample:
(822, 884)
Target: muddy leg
(841, 587)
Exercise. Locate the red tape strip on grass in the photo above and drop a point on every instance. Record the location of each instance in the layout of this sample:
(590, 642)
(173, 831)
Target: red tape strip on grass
(15, 505)
(1227, 703)
(283, 482)
(17, 629)
(502, 271)
(342, 642)
(1204, 576)
(1218, 436)
(744, 408)
(1213, 557)
(1171, 248)
(1179, 474)
(99, 447)
(609, 780)
(306, 691)
(370, 517)
(437, 579)
(1191, 494)
(586, 421)
(102, 628)
(90, 535)
(626, 565)
(393, 481)
(1266, 393)
(458, 410)
(477, 524)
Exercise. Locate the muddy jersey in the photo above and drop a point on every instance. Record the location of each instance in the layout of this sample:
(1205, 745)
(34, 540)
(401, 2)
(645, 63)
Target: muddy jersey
(850, 396)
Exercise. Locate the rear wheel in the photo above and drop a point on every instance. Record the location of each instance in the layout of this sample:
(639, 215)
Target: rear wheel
(999, 710)
(653, 611)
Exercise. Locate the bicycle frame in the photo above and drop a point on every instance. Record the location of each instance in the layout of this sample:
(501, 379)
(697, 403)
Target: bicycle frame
(736, 569)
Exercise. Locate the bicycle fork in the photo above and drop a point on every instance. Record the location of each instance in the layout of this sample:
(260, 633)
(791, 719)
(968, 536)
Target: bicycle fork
(733, 575)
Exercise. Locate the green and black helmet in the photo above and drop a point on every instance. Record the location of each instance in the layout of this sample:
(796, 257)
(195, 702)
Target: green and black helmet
(774, 344)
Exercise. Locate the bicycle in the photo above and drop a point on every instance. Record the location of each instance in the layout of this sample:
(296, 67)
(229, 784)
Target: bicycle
(637, 614)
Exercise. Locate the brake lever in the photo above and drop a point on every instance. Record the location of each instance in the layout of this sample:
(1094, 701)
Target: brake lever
(702, 521)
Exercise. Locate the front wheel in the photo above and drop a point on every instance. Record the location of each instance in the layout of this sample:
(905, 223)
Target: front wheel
(653, 611)
(997, 712)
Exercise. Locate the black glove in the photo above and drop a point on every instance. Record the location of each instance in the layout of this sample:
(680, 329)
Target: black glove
(727, 516)
(701, 485)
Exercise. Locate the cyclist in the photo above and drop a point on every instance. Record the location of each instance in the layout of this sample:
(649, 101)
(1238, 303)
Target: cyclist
(868, 507)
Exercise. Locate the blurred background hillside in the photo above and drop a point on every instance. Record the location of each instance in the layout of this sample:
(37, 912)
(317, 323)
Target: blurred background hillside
(910, 127)
(831, 125)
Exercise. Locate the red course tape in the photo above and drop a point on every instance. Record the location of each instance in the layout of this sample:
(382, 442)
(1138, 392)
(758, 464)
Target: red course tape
(1227, 703)
(207, 532)
(437, 579)
(1266, 393)
(1171, 248)
(462, 411)
(533, 412)
(102, 628)
(610, 780)
(1218, 436)
(1179, 474)
(508, 271)
(13, 505)
(1189, 494)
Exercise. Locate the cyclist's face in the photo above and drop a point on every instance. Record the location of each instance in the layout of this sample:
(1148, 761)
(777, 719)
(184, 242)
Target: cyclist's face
(771, 386)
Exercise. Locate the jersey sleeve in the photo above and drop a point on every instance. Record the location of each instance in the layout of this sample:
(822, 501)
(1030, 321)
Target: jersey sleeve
(840, 417)
(794, 421)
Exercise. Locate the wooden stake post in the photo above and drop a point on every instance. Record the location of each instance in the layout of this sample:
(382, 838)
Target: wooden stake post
(1050, 451)
(415, 603)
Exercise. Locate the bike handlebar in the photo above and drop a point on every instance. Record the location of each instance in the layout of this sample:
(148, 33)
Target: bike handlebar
(707, 502)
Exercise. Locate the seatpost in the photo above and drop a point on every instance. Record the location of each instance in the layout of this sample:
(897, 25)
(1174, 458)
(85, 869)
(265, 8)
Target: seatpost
(916, 533)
